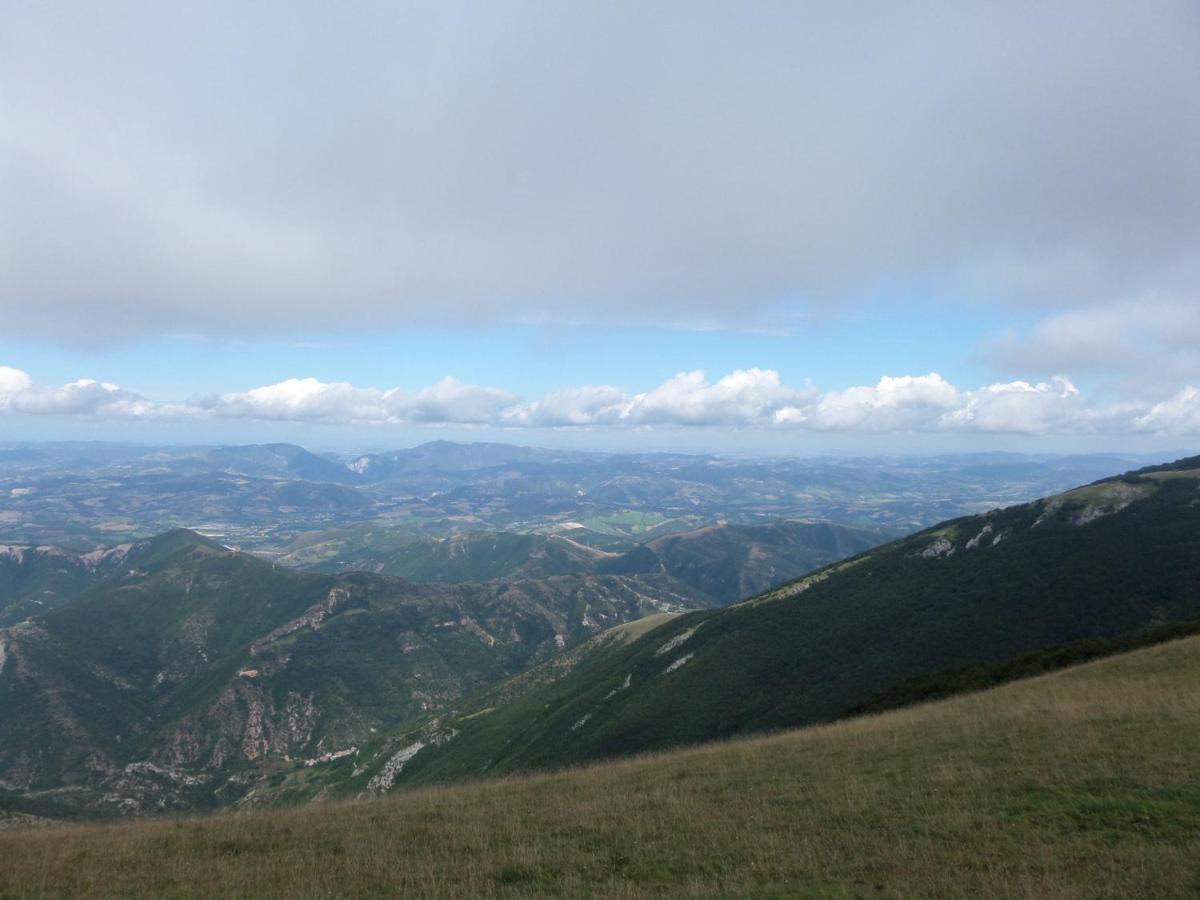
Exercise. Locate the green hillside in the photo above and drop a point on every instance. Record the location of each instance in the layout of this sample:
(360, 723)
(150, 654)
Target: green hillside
(1109, 559)
(468, 556)
(186, 675)
(721, 563)
(1079, 784)
(36, 580)
(730, 562)
(175, 673)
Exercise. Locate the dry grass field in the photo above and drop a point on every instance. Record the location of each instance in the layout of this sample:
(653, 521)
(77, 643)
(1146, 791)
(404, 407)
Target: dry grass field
(1082, 783)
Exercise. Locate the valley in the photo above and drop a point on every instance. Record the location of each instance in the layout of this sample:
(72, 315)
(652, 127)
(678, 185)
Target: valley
(175, 673)
(187, 674)
(277, 498)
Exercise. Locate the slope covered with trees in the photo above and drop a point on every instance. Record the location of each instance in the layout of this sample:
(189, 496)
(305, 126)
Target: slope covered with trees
(1108, 559)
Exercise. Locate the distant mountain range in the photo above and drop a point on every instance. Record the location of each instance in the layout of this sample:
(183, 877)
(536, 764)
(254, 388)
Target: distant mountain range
(267, 497)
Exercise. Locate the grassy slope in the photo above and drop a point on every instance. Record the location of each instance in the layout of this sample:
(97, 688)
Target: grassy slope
(1081, 783)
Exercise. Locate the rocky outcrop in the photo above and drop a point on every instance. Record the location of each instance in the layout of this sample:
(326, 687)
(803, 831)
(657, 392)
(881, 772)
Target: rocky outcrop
(242, 725)
(312, 618)
(938, 548)
(382, 782)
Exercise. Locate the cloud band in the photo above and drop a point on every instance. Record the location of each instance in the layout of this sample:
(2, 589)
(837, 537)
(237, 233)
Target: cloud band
(743, 399)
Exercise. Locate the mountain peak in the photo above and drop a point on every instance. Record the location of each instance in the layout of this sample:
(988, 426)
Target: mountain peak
(181, 539)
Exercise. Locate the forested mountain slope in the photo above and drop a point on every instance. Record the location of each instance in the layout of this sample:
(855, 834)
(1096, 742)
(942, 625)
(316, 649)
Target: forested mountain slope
(1107, 559)
(180, 673)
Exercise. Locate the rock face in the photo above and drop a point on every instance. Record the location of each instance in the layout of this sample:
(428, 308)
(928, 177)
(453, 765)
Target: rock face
(382, 782)
(311, 619)
(938, 547)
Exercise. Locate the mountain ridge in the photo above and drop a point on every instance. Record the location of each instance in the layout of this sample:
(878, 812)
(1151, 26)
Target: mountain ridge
(1102, 560)
(722, 562)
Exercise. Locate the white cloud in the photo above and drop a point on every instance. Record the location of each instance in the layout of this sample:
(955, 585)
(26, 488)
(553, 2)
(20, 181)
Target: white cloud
(1055, 406)
(19, 394)
(743, 399)
(894, 404)
(451, 401)
(1178, 415)
(302, 399)
(12, 383)
(590, 405)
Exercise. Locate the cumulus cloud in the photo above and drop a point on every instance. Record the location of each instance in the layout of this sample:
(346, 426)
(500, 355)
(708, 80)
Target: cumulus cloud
(894, 404)
(1018, 406)
(591, 405)
(300, 399)
(19, 394)
(1178, 415)
(755, 399)
(744, 397)
(450, 401)
(12, 383)
(191, 168)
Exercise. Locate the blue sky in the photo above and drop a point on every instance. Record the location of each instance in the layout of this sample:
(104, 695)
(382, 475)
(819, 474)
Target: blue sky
(834, 353)
(757, 226)
(534, 359)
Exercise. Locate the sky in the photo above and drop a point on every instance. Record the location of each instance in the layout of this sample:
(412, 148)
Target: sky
(753, 227)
